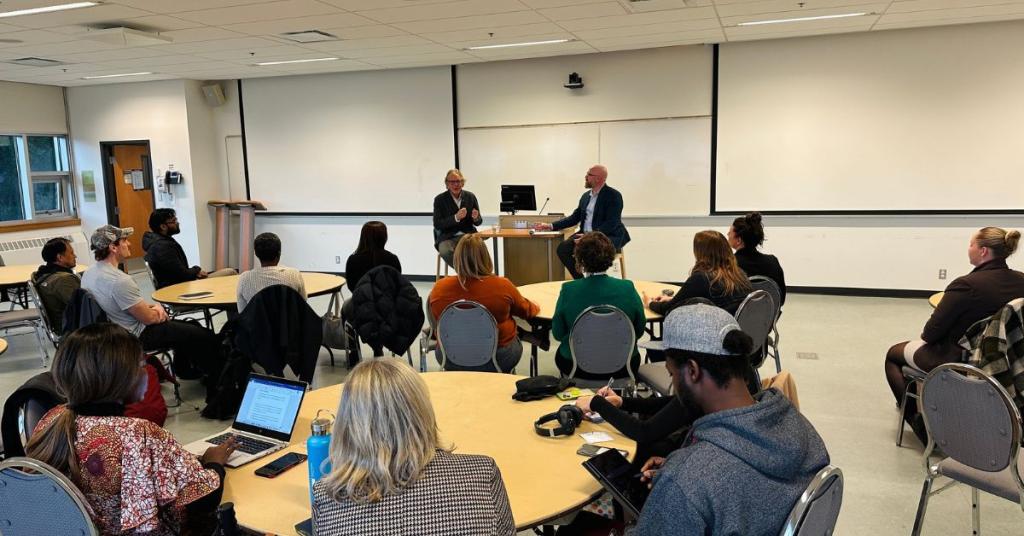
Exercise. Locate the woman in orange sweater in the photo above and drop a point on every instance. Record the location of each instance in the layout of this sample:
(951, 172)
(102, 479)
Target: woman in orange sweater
(476, 281)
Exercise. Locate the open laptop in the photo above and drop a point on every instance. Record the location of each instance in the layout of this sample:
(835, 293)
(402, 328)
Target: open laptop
(264, 422)
(618, 476)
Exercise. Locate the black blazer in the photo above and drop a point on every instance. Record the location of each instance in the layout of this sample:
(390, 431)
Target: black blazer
(607, 216)
(445, 226)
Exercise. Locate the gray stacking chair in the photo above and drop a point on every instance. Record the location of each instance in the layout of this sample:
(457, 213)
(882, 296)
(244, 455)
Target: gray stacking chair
(756, 315)
(467, 336)
(656, 376)
(760, 282)
(48, 327)
(31, 317)
(817, 510)
(976, 424)
(37, 499)
(914, 378)
(428, 342)
(601, 342)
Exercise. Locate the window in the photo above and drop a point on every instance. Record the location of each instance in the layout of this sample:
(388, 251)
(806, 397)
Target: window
(35, 178)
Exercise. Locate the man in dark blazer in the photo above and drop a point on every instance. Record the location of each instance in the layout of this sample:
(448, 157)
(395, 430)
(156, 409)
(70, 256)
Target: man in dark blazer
(600, 209)
(456, 212)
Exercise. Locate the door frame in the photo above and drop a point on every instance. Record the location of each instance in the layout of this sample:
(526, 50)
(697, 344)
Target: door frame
(109, 188)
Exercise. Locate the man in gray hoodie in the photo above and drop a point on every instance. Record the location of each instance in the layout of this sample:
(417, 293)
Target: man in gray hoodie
(746, 462)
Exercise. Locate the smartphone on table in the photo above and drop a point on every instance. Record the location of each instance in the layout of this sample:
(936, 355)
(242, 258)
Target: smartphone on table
(281, 465)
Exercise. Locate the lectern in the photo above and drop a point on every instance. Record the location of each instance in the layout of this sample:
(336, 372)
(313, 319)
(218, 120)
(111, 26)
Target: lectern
(246, 230)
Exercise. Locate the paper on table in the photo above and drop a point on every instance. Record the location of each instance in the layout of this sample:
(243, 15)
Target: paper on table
(596, 437)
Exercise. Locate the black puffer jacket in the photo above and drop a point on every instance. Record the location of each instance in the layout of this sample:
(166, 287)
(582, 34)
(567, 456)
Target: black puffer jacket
(388, 310)
(167, 260)
(279, 328)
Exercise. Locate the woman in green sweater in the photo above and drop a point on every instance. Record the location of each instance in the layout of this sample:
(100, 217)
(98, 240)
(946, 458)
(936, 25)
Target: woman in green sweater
(594, 255)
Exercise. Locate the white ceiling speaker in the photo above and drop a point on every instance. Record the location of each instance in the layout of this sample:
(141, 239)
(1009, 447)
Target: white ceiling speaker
(214, 94)
(128, 37)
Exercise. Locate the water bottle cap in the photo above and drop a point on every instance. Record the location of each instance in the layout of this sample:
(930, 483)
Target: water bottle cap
(322, 425)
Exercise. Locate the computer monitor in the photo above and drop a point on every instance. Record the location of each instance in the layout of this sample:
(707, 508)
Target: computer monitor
(515, 197)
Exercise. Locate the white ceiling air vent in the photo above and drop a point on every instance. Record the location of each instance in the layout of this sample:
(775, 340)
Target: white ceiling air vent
(309, 36)
(35, 62)
(128, 37)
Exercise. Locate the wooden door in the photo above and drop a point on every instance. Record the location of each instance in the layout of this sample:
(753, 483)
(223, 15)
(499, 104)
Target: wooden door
(133, 206)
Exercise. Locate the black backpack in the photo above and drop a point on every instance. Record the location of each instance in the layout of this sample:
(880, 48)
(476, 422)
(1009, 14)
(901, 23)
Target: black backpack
(223, 401)
(540, 387)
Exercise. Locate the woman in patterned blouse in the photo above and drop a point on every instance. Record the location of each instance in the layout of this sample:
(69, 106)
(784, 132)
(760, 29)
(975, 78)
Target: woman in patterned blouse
(136, 477)
(389, 472)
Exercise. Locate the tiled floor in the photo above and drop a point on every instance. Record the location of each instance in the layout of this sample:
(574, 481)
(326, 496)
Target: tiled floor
(842, 392)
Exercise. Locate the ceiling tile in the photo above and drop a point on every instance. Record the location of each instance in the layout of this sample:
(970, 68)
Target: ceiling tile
(605, 9)
(720, 38)
(441, 58)
(262, 12)
(945, 22)
(904, 6)
(362, 5)
(100, 13)
(529, 38)
(469, 23)
(542, 4)
(637, 19)
(708, 35)
(32, 37)
(364, 44)
(219, 44)
(366, 32)
(733, 35)
(779, 6)
(325, 67)
(462, 8)
(662, 5)
(4, 28)
(206, 33)
(678, 27)
(960, 13)
(533, 51)
(336, 20)
(178, 6)
(197, 66)
(399, 51)
(112, 55)
(154, 63)
(769, 31)
(505, 32)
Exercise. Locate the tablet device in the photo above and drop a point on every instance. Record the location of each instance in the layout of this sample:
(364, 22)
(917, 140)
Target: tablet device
(618, 476)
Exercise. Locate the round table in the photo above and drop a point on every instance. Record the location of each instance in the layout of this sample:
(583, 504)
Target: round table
(543, 476)
(3, 346)
(225, 289)
(934, 299)
(546, 295)
(19, 274)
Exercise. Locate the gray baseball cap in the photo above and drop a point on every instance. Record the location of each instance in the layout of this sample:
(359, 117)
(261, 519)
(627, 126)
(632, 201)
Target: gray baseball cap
(103, 237)
(696, 328)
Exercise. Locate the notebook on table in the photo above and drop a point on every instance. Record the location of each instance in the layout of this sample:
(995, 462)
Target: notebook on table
(265, 420)
(618, 476)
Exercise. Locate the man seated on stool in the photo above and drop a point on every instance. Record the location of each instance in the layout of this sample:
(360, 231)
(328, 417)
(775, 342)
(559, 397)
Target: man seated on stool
(164, 254)
(600, 209)
(745, 448)
(267, 247)
(456, 212)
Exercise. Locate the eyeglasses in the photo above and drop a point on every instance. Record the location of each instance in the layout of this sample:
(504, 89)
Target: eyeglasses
(455, 181)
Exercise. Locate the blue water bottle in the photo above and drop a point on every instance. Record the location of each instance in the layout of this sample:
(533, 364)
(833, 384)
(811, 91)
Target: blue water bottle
(318, 448)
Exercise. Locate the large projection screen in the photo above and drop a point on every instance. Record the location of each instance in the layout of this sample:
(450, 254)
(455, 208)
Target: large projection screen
(913, 120)
(377, 141)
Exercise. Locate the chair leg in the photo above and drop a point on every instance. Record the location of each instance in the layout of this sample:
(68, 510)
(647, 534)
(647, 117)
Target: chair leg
(922, 506)
(899, 418)
(330, 353)
(533, 360)
(42, 344)
(976, 511)
(408, 354)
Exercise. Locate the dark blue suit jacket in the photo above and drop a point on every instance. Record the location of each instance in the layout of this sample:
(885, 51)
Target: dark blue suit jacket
(607, 216)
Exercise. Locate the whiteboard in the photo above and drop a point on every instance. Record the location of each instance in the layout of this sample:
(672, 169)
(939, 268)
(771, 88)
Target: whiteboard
(374, 141)
(896, 120)
(662, 167)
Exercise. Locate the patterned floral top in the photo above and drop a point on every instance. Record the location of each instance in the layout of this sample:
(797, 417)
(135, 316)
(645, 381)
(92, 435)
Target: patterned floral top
(136, 476)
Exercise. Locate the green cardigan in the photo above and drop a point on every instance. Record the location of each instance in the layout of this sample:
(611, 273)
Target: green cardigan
(594, 290)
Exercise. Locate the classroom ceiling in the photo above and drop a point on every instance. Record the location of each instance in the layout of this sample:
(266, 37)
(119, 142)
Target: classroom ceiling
(224, 39)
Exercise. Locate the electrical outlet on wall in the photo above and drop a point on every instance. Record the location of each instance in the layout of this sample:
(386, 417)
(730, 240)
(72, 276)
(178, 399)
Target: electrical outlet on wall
(942, 273)
(337, 260)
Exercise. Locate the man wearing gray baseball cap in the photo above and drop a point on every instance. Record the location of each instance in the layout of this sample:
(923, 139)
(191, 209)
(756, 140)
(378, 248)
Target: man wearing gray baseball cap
(747, 460)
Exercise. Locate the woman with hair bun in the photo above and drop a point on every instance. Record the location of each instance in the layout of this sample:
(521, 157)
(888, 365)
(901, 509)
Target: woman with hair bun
(745, 236)
(967, 299)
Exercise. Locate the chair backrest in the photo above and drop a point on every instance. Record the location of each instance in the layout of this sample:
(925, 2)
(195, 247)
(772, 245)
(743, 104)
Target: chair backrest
(971, 417)
(767, 284)
(149, 272)
(817, 510)
(602, 341)
(44, 313)
(756, 315)
(467, 335)
(36, 499)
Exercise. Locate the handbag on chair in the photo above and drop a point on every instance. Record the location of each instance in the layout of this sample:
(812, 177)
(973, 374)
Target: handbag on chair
(333, 325)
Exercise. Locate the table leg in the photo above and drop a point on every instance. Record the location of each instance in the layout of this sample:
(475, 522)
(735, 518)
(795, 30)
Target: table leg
(222, 241)
(497, 264)
(550, 276)
(246, 233)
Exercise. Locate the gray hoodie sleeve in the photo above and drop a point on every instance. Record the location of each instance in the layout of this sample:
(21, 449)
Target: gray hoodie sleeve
(668, 511)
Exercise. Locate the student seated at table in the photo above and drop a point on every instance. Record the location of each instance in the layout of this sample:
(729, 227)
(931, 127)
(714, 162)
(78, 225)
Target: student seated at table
(742, 450)
(137, 478)
(164, 254)
(369, 254)
(745, 236)
(476, 282)
(56, 280)
(267, 247)
(196, 349)
(967, 299)
(715, 276)
(390, 474)
(594, 254)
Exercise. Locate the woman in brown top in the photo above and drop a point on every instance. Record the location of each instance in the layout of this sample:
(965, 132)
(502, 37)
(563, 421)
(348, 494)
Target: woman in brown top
(967, 299)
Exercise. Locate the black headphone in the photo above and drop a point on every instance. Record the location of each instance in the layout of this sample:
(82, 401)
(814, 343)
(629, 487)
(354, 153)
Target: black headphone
(568, 416)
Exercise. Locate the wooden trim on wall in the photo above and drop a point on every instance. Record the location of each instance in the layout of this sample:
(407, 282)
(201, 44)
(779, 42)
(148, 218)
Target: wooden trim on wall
(43, 224)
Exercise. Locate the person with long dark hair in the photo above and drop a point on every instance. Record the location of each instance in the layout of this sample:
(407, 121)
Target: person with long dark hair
(715, 276)
(137, 478)
(370, 253)
(745, 237)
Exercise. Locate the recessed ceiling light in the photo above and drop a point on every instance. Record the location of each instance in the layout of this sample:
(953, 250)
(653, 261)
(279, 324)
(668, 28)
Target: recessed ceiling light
(47, 9)
(113, 75)
(802, 19)
(294, 61)
(309, 36)
(526, 44)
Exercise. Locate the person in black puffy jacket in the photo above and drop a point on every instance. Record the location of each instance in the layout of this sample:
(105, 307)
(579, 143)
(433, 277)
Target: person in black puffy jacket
(387, 310)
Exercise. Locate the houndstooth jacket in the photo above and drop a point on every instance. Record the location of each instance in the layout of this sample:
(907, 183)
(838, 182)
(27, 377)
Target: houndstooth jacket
(996, 346)
(456, 494)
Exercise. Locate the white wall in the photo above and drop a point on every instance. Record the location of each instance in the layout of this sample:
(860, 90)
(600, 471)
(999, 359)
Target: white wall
(208, 168)
(31, 109)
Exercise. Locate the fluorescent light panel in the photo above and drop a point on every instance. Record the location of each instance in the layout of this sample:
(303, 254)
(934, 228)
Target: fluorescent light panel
(527, 44)
(802, 19)
(113, 75)
(295, 61)
(47, 9)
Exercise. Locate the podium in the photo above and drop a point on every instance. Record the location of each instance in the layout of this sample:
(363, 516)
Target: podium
(528, 258)
(246, 231)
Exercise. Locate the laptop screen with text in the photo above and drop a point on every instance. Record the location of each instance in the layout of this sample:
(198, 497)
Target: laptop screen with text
(270, 406)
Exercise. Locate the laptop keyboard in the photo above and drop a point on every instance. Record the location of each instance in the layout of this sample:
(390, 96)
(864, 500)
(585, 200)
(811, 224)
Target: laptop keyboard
(243, 443)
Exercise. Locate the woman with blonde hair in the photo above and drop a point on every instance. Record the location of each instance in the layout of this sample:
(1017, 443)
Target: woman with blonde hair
(391, 475)
(476, 282)
(967, 299)
(715, 276)
(136, 477)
